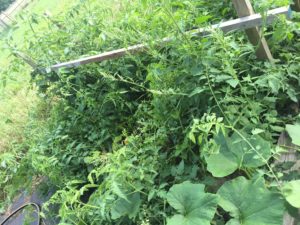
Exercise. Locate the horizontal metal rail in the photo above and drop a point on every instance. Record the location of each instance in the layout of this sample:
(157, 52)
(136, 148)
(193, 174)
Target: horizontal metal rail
(236, 24)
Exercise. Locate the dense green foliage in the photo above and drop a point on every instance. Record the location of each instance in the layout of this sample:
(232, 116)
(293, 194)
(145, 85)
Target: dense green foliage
(170, 136)
(4, 4)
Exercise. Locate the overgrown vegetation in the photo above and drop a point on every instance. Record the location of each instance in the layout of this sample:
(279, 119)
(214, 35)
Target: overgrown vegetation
(21, 111)
(4, 4)
(182, 134)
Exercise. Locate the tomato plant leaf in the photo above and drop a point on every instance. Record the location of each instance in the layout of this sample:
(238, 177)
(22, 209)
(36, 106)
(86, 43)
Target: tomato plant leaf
(250, 202)
(202, 19)
(196, 91)
(232, 82)
(192, 203)
(126, 207)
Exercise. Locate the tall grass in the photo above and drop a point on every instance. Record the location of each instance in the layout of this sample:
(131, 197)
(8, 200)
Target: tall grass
(17, 98)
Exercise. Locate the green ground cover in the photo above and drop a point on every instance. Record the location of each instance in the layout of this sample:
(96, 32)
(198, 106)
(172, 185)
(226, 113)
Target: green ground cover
(16, 98)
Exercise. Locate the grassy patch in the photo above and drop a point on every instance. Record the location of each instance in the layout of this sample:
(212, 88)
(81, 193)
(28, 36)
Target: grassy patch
(14, 116)
(22, 113)
(16, 95)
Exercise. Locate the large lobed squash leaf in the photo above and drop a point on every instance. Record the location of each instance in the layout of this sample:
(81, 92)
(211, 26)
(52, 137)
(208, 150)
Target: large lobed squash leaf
(193, 205)
(251, 203)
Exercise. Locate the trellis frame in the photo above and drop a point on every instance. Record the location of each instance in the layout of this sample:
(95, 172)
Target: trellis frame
(244, 8)
(251, 21)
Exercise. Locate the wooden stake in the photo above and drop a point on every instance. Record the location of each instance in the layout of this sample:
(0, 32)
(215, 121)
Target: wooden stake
(26, 59)
(296, 6)
(288, 157)
(244, 8)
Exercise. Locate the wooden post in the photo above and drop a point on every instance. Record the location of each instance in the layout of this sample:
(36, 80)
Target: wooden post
(244, 8)
(26, 59)
(296, 6)
(289, 156)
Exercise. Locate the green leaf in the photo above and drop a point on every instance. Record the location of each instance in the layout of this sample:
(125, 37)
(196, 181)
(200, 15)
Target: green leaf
(221, 78)
(291, 191)
(202, 19)
(180, 168)
(292, 94)
(232, 82)
(196, 70)
(294, 133)
(236, 153)
(222, 164)
(117, 190)
(228, 79)
(129, 207)
(250, 203)
(196, 91)
(192, 203)
(274, 85)
(257, 131)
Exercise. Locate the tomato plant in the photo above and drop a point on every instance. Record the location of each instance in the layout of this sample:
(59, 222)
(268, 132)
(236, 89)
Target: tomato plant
(181, 134)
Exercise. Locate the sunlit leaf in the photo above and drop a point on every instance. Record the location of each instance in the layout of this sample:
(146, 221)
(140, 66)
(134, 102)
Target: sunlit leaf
(236, 153)
(251, 203)
(291, 191)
